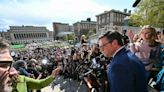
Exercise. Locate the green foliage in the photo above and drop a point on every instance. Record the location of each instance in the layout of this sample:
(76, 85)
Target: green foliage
(135, 20)
(85, 32)
(91, 32)
(148, 12)
(65, 38)
(69, 37)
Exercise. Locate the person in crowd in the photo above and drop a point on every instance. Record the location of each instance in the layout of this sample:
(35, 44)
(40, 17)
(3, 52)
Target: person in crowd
(75, 59)
(11, 81)
(160, 37)
(146, 48)
(21, 67)
(126, 73)
(85, 51)
(83, 39)
(95, 51)
(32, 68)
(159, 34)
(125, 37)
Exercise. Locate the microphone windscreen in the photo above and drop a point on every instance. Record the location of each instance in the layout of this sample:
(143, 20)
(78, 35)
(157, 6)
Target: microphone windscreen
(136, 3)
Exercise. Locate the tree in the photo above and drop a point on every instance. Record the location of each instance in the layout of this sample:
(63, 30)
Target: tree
(91, 32)
(135, 20)
(148, 12)
(69, 37)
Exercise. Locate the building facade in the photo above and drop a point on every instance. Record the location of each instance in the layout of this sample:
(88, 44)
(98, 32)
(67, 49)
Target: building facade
(60, 29)
(26, 34)
(111, 18)
(83, 27)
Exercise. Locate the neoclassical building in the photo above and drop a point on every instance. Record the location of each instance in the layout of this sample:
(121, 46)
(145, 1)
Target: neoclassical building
(27, 34)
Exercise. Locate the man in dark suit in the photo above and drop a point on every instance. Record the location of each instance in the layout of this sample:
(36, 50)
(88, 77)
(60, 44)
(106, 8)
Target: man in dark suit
(126, 73)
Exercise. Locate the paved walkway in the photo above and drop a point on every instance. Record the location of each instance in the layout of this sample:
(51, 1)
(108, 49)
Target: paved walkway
(65, 85)
(69, 85)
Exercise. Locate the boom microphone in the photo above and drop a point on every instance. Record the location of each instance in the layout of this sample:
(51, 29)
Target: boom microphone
(136, 3)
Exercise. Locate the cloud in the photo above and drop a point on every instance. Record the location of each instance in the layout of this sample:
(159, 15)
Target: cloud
(44, 12)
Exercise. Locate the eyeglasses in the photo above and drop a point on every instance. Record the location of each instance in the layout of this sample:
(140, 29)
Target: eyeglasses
(103, 45)
(6, 64)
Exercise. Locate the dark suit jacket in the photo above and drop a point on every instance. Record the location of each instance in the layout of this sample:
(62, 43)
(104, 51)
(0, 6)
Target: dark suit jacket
(126, 73)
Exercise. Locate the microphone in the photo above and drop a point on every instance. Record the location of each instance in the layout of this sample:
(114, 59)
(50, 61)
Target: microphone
(136, 3)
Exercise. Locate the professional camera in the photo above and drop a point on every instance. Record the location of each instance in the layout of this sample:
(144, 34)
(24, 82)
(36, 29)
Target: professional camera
(97, 67)
(47, 67)
(96, 75)
(98, 61)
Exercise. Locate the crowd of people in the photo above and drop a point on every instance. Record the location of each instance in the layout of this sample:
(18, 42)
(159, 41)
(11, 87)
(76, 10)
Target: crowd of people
(128, 62)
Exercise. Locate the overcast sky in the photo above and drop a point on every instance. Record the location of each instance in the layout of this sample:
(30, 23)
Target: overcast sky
(44, 12)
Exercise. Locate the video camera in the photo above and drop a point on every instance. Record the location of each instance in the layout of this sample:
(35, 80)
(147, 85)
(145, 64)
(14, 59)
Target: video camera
(97, 67)
(98, 61)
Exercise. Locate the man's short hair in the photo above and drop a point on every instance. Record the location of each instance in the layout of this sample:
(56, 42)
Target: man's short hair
(124, 30)
(3, 44)
(113, 35)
